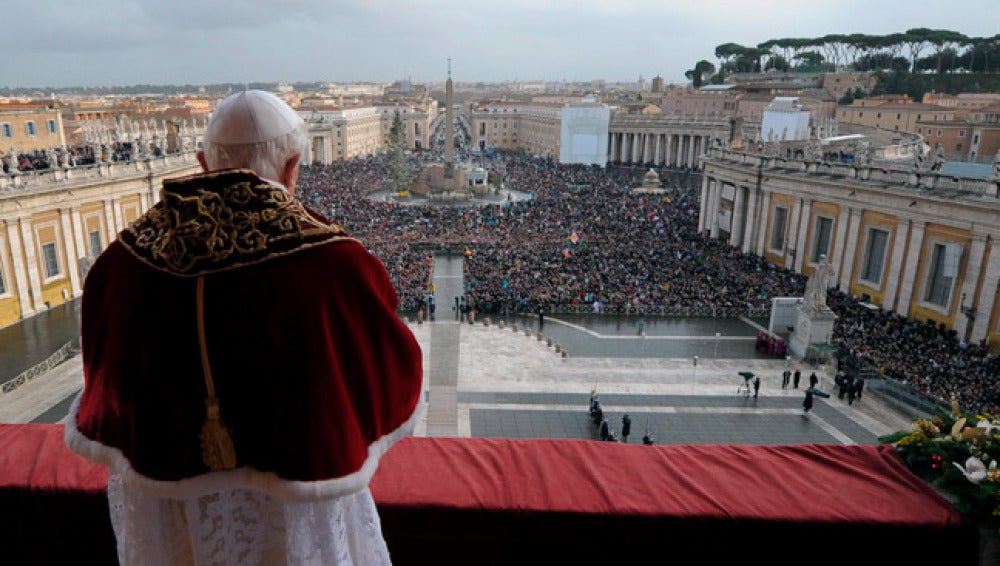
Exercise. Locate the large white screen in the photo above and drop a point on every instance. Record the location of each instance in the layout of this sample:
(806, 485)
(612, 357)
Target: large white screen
(584, 144)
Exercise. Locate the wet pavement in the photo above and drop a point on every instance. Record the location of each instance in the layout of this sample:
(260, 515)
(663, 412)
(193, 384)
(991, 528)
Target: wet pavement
(486, 380)
(29, 342)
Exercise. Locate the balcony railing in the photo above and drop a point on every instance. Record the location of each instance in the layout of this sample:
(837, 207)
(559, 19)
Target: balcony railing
(496, 501)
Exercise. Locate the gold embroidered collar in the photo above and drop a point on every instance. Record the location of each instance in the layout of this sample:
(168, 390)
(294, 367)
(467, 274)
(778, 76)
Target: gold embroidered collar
(221, 220)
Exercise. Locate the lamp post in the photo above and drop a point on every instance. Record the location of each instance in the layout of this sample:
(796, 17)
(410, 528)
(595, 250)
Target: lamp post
(694, 374)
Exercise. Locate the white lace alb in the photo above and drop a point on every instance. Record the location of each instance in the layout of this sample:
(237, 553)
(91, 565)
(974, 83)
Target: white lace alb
(242, 527)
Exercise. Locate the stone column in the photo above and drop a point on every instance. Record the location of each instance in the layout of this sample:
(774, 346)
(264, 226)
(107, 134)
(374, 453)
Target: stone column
(909, 275)
(987, 294)
(70, 246)
(739, 204)
(805, 219)
(119, 215)
(713, 213)
(702, 217)
(668, 156)
(110, 221)
(851, 239)
(656, 156)
(752, 223)
(795, 221)
(836, 253)
(19, 269)
(765, 215)
(902, 235)
(31, 265)
(79, 240)
(973, 267)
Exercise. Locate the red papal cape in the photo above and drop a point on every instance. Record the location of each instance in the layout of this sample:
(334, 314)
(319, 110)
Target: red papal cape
(315, 373)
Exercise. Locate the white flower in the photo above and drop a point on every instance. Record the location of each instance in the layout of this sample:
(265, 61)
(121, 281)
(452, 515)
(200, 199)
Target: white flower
(974, 470)
(990, 427)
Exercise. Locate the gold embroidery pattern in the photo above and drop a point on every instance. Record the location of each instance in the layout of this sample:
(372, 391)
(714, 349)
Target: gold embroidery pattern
(206, 223)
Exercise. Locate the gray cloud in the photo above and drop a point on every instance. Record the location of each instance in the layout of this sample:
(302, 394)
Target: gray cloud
(111, 42)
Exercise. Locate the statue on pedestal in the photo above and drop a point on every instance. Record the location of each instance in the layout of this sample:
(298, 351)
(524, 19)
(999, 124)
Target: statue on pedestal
(938, 158)
(918, 157)
(816, 286)
(12, 163)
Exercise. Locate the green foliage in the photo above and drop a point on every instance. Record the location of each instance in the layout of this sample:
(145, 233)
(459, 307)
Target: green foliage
(934, 446)
(702, 71)
(398, 171)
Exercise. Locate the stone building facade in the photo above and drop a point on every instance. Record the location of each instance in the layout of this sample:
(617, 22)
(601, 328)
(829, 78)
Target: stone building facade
(916, 243)
(52, 221)
(29, 127)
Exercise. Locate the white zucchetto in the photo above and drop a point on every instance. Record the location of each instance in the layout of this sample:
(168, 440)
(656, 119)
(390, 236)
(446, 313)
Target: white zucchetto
(248, 117)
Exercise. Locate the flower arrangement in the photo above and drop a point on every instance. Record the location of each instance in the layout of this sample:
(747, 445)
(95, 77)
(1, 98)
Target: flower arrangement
(957, 453)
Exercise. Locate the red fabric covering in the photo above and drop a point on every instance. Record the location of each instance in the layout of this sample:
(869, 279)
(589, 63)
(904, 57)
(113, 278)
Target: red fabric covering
(53, 503)
(487, 501)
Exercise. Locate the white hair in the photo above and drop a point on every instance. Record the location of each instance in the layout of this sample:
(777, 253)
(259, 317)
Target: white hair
(267, 159)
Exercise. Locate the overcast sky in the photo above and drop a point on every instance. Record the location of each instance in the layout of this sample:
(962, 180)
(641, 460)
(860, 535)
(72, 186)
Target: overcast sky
(120, 42)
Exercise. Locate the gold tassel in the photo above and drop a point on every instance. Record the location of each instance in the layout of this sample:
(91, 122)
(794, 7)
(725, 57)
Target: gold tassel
(217, 450)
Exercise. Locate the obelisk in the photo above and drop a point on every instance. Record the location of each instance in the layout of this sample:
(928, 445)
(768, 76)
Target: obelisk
(449, 129)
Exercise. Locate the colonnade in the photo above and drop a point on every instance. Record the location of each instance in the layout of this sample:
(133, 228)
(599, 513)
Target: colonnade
(657, 148)
(775, 213)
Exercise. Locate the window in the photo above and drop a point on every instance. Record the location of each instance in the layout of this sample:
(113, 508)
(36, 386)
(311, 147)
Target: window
(778, 228)
(51, 261)
(8, 130)
(941, 273)
(52, 126)
(95, 242)
(961, 133)
(29, 128)
(821, 243)
(939, 133)
(874, 260)
(958, 147)
(975, 139)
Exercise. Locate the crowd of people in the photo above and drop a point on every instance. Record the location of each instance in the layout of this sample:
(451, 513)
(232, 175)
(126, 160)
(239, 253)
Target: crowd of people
(586, 238)
(926, 356)
(14, 162)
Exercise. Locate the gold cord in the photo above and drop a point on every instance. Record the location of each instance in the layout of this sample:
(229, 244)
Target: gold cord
(217, 450)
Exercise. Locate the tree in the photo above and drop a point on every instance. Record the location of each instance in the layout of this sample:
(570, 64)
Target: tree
(779, 63)
(916, 40)
(701, 73)
(809, 60)
(397, 164)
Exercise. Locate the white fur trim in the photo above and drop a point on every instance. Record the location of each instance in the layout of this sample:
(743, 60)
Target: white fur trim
(240, 478)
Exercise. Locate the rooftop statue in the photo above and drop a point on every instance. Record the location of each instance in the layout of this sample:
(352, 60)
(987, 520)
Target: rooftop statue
(817, 284)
